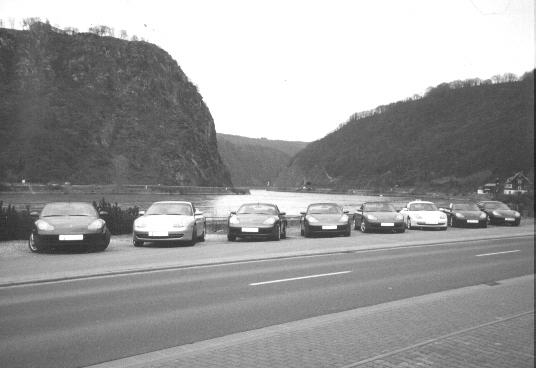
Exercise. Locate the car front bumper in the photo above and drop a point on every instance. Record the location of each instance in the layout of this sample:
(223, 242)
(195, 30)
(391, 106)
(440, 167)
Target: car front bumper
(170, 236)
(385, 226)
(500, 220)
(327, 229)
(51, 241)
(252, 231)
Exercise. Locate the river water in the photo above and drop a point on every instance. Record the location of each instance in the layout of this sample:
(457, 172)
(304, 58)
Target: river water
(212, 205)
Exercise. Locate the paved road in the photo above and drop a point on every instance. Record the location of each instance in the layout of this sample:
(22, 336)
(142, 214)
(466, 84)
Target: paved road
(86, 321)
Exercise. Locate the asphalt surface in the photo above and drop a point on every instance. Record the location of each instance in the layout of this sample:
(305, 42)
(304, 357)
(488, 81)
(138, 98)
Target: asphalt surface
(78, 322)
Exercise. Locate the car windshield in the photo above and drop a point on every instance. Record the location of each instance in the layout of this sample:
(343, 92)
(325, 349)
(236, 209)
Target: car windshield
(496, 206)
(422, 207)
(69, 209)
(170, 209)
(260, 209)
(465, 207)
(379, 207)
(324, 209)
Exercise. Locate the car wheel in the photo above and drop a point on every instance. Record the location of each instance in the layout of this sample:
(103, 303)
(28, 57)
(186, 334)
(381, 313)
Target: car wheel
(452, 222)
(231, 237)
(348, 230)
(277, 233)
(408, 223)
(302, 232)
(202, 237)
(192, 242)
(403, 230)
(284, 233)
(100, 247)
(34, 248)
(355, 225)
(489, 220)
(363, 227)
(517, 222)
(137, 243)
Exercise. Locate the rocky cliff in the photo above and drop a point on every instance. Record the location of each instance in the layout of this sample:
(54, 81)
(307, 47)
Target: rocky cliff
(90, 109)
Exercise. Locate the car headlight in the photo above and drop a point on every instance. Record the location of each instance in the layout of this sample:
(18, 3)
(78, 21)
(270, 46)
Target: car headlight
(495, 213)
(270, 221)
(372, 217)
(483, 215)
(444, 217)
(418, 217)
(344, 218)
(43, 225)
(96, 225)
(399, 217)
(311, 218)
(517, 214)
(178, 224)
(459, 215)
(233, 220)
(140, 224)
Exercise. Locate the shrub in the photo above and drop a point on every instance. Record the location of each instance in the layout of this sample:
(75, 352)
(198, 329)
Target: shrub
(14, 224)
(119, 221)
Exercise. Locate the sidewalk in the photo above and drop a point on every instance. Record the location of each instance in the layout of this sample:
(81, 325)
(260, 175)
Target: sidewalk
(477, 326)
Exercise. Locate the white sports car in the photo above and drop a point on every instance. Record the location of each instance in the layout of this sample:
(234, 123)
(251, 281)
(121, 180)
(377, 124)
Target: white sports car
(169, 221)
(423, 214)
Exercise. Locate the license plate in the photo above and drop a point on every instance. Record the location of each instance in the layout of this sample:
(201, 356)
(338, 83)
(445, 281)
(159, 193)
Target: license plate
(250, 229)
(158, 233)
(329, 227)
(71, 237)
(387, 224)
(472, 221)
(510, 219)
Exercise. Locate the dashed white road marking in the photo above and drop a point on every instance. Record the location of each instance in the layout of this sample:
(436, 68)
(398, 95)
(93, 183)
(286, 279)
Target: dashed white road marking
(492, 254)
(299, 278)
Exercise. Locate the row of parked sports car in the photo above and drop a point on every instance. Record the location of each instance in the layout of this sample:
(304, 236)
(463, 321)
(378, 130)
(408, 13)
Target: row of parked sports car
(79, 224)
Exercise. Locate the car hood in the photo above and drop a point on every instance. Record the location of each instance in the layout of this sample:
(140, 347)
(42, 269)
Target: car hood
(69, 224)
(251, 219)
(164, 221)
(384, 216)
(505, 213)
(327, 218)
(470, 215)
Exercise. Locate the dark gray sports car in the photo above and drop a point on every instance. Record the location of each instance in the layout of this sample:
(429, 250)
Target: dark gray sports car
(257, 220)
(69, 224)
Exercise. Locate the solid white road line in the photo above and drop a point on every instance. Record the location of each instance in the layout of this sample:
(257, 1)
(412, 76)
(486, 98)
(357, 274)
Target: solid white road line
(299, 278)
(492, 254)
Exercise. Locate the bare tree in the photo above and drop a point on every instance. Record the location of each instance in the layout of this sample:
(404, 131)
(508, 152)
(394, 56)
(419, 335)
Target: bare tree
(1, 23)
(28, 22)
(134, 38)
(11, 23)
(123, 34)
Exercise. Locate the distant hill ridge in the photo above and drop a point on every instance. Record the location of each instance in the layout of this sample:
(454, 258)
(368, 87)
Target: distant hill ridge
(256, 161)
(459, 134)
(89, 109)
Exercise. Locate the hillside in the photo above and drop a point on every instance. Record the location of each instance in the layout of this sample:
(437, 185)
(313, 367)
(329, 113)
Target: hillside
(90, 109)
(254, 161)
(458, 135)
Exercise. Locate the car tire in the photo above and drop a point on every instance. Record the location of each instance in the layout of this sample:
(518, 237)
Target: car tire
(403, 230)
(517, 222)
(452, 222)
(302, 232)
(408, 223)
(32, 244)
(348, 231)
(484, 225)
(137, 243)
(363, 227)
(277, 233)
(231, 237)
(100, 247)
(284, 233)
(202, 237)
(192, 242)
(355, 225)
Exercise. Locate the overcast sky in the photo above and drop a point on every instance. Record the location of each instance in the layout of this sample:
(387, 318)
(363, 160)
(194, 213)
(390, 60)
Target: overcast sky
(295, 70)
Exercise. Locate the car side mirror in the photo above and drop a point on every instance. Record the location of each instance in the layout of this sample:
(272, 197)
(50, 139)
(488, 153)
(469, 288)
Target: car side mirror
(282, 213)
(141, 213)
(346, 212)
(233, 212)
(103, 213)
(302, 213)
(403, 209)
(34, 214)
(198, 213)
